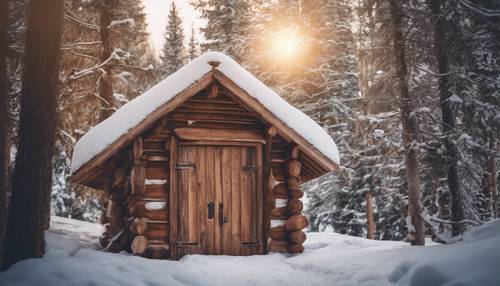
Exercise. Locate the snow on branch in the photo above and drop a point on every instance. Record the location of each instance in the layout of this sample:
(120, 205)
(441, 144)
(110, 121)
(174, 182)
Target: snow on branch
(128, 21)
(481, 10)
(79, 45)
(117, 54)
(69, 16)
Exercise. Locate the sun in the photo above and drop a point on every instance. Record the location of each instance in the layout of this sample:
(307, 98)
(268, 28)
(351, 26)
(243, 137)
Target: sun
(286, 45)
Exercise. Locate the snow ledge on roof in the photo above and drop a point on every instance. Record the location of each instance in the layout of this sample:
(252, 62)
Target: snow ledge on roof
(131, 114)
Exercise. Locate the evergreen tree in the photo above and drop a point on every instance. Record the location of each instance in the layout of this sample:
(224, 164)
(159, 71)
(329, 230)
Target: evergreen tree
(193, 45)
(228, 25)
(174, 54)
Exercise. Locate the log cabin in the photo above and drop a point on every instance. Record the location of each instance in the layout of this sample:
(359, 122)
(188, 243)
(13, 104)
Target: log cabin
(208, 161)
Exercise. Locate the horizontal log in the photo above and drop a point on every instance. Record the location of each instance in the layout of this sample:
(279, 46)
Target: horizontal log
(219, 135)
(295, 206)
(156, 191)
(295, 248)
(293, 168)
(139, 245)
(157, 231)
(297, 237)
(279, 213)
(297, 222)
(156, 158)
(212, 118)
(278, 245)
(278, 233)
(156, 170)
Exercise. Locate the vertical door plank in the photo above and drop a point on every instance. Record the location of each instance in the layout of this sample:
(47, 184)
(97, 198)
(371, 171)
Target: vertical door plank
(260, 200)
(192, 199)
(235, 200)
(173, 199)
(252, 182)
(246, 215)
(183, 203)
(227, 246)
(210, 193)
(218, 198)
(202, 197)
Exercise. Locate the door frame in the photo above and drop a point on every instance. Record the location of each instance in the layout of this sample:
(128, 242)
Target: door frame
(175, 142)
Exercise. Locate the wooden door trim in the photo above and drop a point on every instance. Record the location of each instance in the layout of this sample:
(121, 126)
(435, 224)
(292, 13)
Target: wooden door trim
(198, 134)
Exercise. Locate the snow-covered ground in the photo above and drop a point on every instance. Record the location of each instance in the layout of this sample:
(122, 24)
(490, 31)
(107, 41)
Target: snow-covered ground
(329, 259)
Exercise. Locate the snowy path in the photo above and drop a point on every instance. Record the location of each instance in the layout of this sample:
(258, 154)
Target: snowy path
(329, 259)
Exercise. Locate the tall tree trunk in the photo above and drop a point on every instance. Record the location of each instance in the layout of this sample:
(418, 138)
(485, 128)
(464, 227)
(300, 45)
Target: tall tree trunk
(29, 212)
(492, 176)
(370, 222)
(106, 9)
(447, 111)
(409, 127)
(4, 129)
(106, 81)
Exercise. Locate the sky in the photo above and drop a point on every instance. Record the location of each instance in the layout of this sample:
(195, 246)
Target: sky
(156, 16)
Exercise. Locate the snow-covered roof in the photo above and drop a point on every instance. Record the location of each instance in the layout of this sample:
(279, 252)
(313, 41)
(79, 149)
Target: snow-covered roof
(132, 113)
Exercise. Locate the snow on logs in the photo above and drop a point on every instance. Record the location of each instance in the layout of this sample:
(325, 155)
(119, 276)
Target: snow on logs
(288, 236)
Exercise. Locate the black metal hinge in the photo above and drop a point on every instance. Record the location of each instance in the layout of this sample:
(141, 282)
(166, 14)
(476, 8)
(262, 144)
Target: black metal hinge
(187, 243)
(185, 166)
(250, 243)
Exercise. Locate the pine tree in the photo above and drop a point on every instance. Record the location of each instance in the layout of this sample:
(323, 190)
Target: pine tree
(174, 54)
(193, 45)
(228, 25)
(30, 203)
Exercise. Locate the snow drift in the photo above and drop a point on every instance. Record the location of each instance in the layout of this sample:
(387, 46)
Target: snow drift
(329, 259)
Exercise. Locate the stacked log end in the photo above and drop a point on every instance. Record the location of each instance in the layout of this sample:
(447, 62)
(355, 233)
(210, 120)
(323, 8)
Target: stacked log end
(297, 221)
(147, 210)
(287, 235)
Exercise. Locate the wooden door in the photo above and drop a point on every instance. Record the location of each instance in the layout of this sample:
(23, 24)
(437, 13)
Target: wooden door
(218, 200)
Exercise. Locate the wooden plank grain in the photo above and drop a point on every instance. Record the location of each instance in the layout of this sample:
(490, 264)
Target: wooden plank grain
(235, 199)
(173, 198)
(201, 165)
(227, 245)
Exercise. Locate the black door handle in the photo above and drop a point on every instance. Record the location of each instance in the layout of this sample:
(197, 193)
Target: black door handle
(210, 210)
(222, 219)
